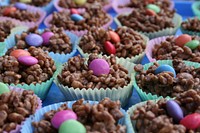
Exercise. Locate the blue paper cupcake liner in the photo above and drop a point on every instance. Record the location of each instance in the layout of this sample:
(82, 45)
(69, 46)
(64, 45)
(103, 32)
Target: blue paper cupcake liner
(27, 125)
(62, 58)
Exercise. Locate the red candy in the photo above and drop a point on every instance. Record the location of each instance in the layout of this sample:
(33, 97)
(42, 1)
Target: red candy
(9, 10)
(19, 52)
(73, 11)
(109, 47)
(191, 121)
(151, 1)
(114, 36)
(182, 40)
(150, 12)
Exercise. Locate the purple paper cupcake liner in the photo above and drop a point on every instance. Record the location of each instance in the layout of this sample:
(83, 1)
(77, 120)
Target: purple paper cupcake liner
(76, 32)
(17, 129)
(81, 10)
(150, 46)
(117, 3)
(27, 23)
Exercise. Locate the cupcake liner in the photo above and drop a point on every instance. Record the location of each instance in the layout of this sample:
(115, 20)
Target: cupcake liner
(80, 10)
(148, 96)
(164, 32)
(40, 89)
(150, 46)
(3, 44)
(76, 32)
(122, 94)
(192, 33)
(33, 10)
(118, 3)
(56, 5)
(131, 123)
(49, 7)
(196, 8)
(62, 58)
(136, 59)
(17, 129)
(27, 125)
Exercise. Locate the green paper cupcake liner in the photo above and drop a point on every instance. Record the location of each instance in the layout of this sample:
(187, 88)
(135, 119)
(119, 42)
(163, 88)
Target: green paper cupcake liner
(168, 31)
(193, 33)
(148, 96)
(122, 94)
(4, 46)
(196, 8)
(40, 89)
(135, 59)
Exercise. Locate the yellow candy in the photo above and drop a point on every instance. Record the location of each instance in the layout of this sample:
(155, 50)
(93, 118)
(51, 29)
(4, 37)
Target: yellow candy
(25, 1)
(80, 2)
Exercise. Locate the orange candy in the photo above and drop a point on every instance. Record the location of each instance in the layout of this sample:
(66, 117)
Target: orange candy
(114, 36)
(150, 12)
(182, 40)
(19, 52)
(8, 10)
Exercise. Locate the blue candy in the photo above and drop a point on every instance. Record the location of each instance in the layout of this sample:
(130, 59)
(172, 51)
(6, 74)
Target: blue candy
(76, 17)
(174, 110)
(21, 6)
(34, 40)
(165, 68)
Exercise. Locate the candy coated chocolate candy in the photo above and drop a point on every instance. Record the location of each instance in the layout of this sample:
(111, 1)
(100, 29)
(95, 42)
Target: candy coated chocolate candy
(61, 117)
(165, 68)
(19, 52)
(21, 6)
(114, 36)
(72, 126)
(34, 39)
(192, 44)
(76, 17)
(174, 110)
(150, 12)
(151, 1)
(3, 88)
(28, 60)
(74, 11)
(99, 67)
(80, 2)
(9, 10)
(25, 1)
(182, 40)
(46, 37)
(153, 7)
(191, 121)
(109, 47)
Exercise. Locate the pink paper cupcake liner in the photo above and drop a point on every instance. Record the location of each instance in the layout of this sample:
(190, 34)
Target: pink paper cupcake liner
(150, 46)
(17, 129)
(117, 3)
(30, 24)
(76, 32)
(81, 10)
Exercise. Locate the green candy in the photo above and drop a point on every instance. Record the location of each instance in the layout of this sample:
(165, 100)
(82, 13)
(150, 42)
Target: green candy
(193, 44)
(25, 1)
(3, 88)
(72, 126)
(153, 7)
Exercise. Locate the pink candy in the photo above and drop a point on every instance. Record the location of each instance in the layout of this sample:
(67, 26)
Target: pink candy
(99, 67)
(46, 37)
(62, 116)
(27, 60)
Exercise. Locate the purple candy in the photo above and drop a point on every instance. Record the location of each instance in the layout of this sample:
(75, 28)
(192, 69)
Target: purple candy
(99, 67)
(27, 60)
(46, 37)
(34, 40)
(174, 110)
(61, 117)
(21, 6)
